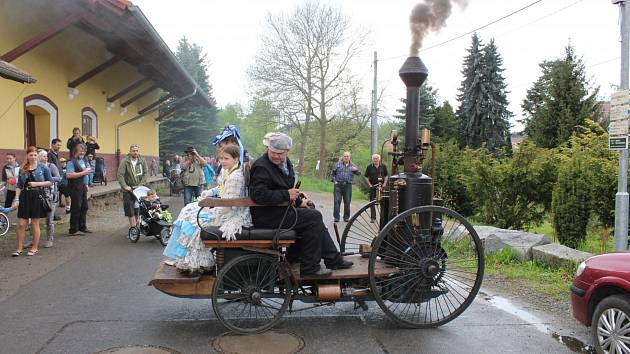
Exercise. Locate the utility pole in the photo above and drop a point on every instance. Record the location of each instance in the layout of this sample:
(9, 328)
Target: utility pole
(374, 122)
(621, 198)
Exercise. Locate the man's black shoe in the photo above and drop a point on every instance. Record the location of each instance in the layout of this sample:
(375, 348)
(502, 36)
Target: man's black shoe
(319, 273)
(75, 233)
(336, 220)
(87, 231)
(342, 264)
(345, 220)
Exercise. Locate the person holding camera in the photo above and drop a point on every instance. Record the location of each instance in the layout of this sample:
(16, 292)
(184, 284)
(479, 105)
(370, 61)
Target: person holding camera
(192, 174)
(91, 146)
(74, 140)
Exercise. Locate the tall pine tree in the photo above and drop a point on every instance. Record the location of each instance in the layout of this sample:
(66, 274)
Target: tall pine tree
(483, 98)
(559, 101)
(469, 95)
(496, 125)
(190, 125)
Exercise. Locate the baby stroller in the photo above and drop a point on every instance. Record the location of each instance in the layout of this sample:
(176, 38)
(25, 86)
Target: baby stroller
(99, 171)
(152, 222)
(175, 182)
(4, 219)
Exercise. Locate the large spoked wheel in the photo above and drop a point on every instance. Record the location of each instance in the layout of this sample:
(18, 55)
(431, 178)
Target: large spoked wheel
(439, 263)
(251, 293)
(4, 224)
(361, 229)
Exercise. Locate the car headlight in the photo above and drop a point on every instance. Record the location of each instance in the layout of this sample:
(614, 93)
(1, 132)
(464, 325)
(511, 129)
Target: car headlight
(580, 269)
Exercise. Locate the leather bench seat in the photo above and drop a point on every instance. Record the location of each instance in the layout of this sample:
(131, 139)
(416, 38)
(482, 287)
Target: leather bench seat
(248, 234)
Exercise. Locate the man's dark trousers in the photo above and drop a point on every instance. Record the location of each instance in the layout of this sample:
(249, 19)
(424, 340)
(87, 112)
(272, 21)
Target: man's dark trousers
(313, 240)
(342, 191)
(372, 196)
(78, 209)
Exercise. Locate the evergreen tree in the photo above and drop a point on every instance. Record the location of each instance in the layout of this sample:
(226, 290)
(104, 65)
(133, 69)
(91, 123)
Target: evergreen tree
(483, 98)
(496, 125)
(469, 93)
(559, 101)
(445, 126)
(190, 125)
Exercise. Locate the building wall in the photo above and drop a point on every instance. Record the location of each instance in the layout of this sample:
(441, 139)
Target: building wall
(56, 62)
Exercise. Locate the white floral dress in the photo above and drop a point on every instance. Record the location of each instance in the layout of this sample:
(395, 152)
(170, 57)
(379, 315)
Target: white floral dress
(230, 220)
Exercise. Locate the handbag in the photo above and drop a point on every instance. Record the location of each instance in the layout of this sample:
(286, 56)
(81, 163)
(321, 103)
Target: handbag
(46, 204)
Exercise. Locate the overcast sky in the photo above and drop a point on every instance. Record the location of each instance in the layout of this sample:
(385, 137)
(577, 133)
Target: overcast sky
(230, 30)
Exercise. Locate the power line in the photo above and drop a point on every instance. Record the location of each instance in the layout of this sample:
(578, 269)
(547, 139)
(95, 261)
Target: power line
(471, 31)
(541, 18)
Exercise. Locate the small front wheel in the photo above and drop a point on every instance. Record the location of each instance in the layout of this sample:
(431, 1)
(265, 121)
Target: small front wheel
(4, 224)
(133, 234)
(165, 235)
(251, 293)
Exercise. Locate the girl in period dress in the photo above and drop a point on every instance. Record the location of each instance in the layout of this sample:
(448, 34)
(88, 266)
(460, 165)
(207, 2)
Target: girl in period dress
(189, 251)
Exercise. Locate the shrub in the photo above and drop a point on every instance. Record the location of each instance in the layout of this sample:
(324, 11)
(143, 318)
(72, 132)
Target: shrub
(570, 204)
(512, 192)
(450, 169)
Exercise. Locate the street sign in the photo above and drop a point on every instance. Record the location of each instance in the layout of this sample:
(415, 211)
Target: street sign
(619, 119)
(618, 142)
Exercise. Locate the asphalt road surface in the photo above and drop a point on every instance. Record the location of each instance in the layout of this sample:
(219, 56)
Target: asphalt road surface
(99, 299)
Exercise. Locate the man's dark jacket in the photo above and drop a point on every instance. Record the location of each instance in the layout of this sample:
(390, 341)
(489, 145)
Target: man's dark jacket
(53, 158)
(269, 186)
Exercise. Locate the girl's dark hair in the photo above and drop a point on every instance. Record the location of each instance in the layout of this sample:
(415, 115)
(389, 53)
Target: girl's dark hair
(230, 140)
(232, 150)
(24, 167)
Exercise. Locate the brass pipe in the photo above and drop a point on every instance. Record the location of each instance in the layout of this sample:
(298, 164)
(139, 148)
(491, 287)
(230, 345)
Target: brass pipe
(434, 151)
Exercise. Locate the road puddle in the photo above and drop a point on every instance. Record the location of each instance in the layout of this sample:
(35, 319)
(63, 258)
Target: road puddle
(571, 343)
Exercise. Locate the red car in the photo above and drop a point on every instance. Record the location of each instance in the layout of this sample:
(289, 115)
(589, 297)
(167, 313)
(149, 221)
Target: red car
(600, 297)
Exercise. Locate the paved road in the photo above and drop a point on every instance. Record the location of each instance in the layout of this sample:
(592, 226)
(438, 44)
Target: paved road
(100, 299)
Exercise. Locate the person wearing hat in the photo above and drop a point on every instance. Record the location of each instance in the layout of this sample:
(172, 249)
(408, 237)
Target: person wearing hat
(192, 174)
(132, 173)
(272, 183)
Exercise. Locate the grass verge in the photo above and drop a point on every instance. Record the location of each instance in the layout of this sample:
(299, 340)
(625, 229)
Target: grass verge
(552, 282)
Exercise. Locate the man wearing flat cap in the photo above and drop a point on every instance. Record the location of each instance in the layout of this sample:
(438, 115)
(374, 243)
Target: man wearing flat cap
(272, 183)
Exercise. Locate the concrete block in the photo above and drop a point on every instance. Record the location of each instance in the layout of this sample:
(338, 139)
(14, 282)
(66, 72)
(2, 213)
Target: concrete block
(557, 255)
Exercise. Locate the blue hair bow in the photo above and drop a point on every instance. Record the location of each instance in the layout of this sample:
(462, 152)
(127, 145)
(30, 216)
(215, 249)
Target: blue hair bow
(230, 130)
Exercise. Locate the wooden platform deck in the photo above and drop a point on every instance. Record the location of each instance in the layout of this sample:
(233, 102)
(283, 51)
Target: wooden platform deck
(358, 271)
(168, 280)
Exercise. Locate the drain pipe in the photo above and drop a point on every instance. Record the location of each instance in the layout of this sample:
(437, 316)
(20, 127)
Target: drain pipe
(139, 116)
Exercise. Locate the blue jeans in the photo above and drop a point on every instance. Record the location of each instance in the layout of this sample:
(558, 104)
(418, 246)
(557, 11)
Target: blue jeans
(342, 191)
(189, 192)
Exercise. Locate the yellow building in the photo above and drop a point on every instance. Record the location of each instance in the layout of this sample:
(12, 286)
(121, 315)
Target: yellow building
(98, 65)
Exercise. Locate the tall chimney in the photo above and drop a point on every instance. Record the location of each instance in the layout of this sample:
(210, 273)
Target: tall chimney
(413, 73)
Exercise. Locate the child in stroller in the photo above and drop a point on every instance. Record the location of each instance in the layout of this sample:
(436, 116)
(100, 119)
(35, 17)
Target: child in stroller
(154, 219)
